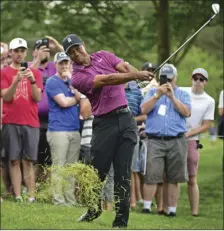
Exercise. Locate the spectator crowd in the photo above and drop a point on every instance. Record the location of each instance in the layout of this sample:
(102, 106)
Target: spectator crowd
(53, 115)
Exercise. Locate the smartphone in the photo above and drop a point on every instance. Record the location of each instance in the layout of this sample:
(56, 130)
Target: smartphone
(45, 42)
(162, 79)
(25, 65)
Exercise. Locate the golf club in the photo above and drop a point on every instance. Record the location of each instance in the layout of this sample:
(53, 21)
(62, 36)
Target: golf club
(215, 8)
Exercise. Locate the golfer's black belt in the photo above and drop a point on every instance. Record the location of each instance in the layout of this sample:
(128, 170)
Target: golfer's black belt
(120, 110)
(164, 137)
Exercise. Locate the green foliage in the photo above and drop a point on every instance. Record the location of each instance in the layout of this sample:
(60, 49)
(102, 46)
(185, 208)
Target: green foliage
(88, 183)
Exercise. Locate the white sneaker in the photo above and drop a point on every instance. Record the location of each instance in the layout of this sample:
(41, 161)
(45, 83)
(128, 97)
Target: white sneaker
(31, 199)
(19, 199)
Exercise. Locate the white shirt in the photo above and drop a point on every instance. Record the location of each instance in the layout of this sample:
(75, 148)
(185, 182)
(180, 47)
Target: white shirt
(221, 100)
(202, 108)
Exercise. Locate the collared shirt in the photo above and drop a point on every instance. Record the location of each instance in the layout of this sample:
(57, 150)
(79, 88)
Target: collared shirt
(107, 98)
(61, 119)
(134, 97)
(168, 121)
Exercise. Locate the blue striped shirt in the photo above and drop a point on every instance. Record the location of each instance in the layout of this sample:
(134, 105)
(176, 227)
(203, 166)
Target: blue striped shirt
(134, 98)
(173, 122)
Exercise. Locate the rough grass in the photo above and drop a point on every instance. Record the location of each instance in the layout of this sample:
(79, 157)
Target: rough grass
(47, 216)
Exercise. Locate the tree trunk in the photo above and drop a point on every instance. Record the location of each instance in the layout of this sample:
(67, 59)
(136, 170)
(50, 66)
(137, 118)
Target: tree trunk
(163, 31)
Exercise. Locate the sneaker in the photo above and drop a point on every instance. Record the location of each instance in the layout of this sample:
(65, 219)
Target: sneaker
(161, 212)
(146, 211)
(195, 215)
(19, 199)
(89, 216)
(171, 214)
(31, 199)
(118, 225)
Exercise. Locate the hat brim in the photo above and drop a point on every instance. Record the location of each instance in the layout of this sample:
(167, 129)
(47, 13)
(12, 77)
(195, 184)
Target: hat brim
(74, 44)
(200, 74)
(62, 59)
(16, 47)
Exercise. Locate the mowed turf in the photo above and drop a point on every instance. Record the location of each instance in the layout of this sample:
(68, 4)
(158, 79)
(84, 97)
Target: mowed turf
(210, 178)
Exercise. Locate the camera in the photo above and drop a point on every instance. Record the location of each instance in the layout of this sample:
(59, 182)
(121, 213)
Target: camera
(199, 146)
(42, 42)
(162, 79)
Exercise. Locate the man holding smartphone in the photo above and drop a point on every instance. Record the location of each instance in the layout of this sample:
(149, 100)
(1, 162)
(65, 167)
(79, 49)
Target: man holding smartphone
(20, 90)
(167, 108)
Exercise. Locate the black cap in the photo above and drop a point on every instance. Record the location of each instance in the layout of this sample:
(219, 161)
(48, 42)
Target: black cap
(148, 65)
(70, 41)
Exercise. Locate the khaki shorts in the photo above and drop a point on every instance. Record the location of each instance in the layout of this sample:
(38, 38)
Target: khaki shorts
(192, 158)
(169, 157)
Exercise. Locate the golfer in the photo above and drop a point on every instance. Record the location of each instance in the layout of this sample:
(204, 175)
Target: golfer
(100, 76)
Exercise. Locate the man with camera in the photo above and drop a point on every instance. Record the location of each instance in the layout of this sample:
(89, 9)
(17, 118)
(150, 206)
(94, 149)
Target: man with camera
(41, 57)
(21, 90)
(202, 115)
(167, 108)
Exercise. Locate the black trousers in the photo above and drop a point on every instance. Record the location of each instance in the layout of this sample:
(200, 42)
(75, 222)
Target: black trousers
(113, 141)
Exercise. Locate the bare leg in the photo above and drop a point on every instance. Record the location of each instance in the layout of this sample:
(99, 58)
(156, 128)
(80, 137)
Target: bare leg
(165, 197)
(133, 195)
(173, 195)
(149, 191)
(193, 193)
(159, 197)
(16, 177)
(138, 186)
(29, 177)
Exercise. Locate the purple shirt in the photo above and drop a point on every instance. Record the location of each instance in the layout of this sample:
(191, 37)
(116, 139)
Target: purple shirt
(48, 71)
(107, 98)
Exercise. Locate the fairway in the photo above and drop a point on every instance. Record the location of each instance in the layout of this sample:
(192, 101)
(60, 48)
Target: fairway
(210, 178)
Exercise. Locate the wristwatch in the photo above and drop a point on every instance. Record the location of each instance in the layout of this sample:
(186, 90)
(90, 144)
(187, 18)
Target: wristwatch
(82, 96)
(156, 96)
(33, 82)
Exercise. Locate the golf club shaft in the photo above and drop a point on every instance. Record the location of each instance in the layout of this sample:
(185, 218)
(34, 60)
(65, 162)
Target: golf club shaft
(184, 43)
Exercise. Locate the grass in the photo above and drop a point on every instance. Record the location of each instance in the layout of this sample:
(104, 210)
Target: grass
(210, 178)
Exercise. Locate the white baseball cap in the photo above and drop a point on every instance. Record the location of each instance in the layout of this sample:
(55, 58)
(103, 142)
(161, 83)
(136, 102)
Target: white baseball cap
(169, 70)
(200, 71)
(60, 56)
(16, 43)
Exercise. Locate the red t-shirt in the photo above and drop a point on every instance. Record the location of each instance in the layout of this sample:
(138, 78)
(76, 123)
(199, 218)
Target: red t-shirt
(22, 109)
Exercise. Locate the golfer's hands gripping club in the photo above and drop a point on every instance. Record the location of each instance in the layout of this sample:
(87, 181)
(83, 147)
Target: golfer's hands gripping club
(145, 75)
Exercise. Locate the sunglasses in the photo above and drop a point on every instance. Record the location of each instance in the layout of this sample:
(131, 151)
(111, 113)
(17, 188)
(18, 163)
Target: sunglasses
(201, 79)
